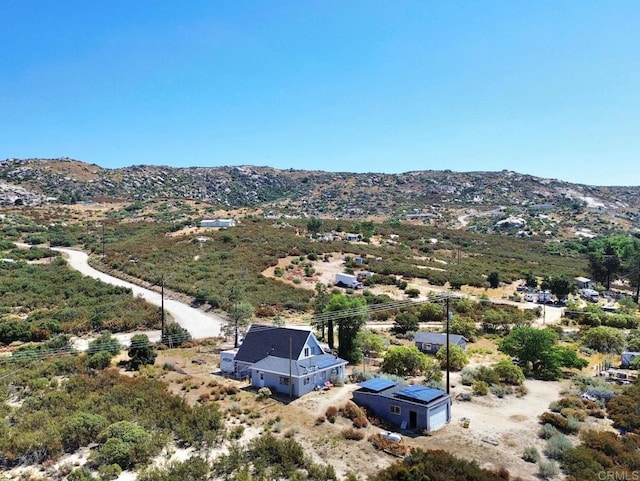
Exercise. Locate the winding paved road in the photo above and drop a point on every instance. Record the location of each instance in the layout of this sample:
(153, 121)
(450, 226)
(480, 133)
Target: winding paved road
(198, 323)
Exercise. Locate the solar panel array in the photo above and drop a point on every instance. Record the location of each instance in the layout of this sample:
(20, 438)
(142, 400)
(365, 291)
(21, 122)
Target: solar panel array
(377, 384)
(420, 393)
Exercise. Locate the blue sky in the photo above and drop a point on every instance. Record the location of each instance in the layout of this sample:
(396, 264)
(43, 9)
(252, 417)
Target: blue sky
(548, 88)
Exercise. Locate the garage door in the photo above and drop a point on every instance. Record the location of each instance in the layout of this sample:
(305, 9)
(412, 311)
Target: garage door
(437, 417)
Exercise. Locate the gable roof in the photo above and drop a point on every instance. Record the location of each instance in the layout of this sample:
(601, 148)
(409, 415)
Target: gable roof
(298, 368)
(438, 338)
(263, 340)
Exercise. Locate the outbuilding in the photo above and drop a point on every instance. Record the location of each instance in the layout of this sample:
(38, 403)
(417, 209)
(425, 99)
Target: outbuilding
(416, 407)
(431, 342)
(221, 223)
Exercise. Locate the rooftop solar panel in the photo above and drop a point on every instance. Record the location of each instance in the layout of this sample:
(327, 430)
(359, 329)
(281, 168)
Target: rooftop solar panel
(420, 393)
(377, 384)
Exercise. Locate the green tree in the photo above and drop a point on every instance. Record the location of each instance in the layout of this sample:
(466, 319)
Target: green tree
(604, 339)
(174, 335)
(561, 286)
(239, 311)
(457, 357)
(320, 303)
(464, 326)
(537, 351)
(405, 322)
(350, 315)
(314, 225)
(104, 342)
(141, 352)
(370, 343)
(530, 280)
(404, 361)
(493, 279)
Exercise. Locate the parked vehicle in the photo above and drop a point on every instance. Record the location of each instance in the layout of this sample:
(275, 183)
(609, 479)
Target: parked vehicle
(395, 437)
(348, 280)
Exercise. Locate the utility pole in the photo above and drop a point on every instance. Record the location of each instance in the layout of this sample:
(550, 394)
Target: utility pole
(448, 353)
(162, 307)
(290, 360)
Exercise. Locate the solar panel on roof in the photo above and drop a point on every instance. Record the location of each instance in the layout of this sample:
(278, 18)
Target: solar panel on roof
(420, 393)
(377, 384)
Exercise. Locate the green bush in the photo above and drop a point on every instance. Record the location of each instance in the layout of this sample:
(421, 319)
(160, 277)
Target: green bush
(480, 388)
(123, 443)
(556, 446)
(531, 454)
(548, 469)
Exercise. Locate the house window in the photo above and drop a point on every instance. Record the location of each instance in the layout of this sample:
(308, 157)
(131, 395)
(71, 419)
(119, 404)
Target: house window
(426, 346)
(284, 381)
(306, 380)
(394, 409)
(306, 352)
(262, 376)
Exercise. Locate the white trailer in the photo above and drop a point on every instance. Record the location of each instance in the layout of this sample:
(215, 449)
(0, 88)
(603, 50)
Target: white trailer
(348, 280)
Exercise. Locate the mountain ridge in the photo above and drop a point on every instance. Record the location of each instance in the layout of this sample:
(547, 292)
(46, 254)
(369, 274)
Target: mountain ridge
(431, 196)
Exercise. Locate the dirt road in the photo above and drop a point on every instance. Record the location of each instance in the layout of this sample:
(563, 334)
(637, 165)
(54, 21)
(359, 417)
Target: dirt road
(199, 324)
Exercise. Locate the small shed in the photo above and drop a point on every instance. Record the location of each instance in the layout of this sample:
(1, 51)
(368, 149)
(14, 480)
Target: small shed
(627, 358)
(227, 361)
(431, 342)
(415, 407)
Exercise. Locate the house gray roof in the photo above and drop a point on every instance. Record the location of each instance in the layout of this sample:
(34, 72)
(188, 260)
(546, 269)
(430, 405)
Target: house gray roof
(263, 340)
(438, 338)
(298, 368)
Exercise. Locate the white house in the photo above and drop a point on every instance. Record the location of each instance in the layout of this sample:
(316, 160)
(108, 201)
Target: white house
(222, 223)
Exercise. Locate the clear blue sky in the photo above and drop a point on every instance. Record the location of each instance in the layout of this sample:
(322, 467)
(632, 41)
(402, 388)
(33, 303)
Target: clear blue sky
(549, 88)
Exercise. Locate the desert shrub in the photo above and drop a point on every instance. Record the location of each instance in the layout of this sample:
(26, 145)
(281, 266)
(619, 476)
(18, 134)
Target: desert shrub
(573, 402)
(412, 292)
(565, 425)
(352, 434)
(81, 474)
(498, 390)
(81, 430)
(486, 374)
(582, 462)
(509, 373)
(352, 411)
(319, 420)
(236, 432)
(531, 454)
(360, 422)
(125, 444)
(556, 446)
(555, 407)
(480, 388)
(520, 391)
(467, 377)
(548, 469)
(547, 431)
(263, 393)
(109, 472)
(577, 414)
(331, 414)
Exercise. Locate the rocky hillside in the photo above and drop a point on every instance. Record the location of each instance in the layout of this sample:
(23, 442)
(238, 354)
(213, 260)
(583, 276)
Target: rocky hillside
(503, 201)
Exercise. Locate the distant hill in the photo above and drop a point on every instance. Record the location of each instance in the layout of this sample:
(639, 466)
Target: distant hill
(506, 201)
